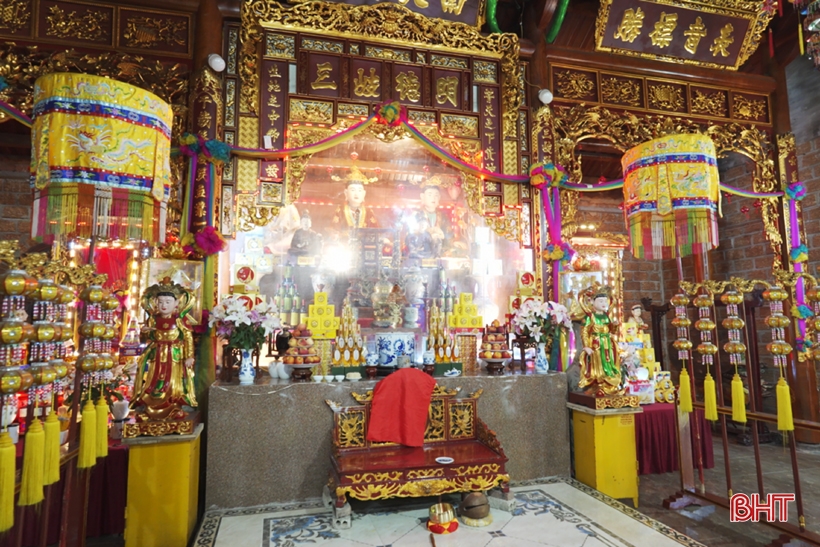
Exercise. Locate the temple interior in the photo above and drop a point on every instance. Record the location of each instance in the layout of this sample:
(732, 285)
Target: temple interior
(409, 272)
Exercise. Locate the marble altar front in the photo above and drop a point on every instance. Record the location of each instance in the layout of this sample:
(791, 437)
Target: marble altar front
(271, 442)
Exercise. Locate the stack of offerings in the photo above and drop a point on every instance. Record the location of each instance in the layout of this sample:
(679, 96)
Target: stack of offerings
(439, 339)
(301, 354)
(350, 350)
(321, 319)
(465, 314)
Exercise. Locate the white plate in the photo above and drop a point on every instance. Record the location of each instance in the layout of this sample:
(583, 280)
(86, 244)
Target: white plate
(444, 460)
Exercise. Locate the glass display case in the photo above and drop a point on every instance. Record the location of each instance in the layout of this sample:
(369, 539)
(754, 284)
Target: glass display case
(372, 218)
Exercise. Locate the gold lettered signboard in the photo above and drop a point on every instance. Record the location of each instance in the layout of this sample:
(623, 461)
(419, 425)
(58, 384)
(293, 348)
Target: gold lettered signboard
(470, 12)
(708, 33)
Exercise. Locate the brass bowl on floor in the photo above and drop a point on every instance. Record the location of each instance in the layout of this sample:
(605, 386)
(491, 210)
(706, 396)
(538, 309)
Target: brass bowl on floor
(442, 513)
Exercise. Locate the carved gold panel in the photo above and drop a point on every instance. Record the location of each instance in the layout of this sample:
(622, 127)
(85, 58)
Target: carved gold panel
(357, 110)
(350, 426)
(435, 422)
(322, 45)
(485, 72)
(709, 102)
(448, 62)
(459, 125)
(462, 416)
(280, 46)
(619, 90)
(311, 110)
(387, 53)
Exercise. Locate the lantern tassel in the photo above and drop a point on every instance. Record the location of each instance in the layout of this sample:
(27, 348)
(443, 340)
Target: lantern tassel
(800, 39)
(51, 465)
(738, 400)
(31, 484)
(685, 391)
(710, 397)
(7, 478)
(784, 406)
(102, 428)
(88, 434)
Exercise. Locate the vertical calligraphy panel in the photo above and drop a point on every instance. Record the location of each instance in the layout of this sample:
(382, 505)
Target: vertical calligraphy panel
(274, 82)
(489, 111)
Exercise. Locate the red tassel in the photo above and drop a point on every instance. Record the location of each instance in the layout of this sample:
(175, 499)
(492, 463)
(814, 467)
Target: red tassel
(780, 8)
(771, 44)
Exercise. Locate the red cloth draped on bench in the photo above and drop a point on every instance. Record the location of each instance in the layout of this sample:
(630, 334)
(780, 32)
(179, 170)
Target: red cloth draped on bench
(398, 413)
(657, 440)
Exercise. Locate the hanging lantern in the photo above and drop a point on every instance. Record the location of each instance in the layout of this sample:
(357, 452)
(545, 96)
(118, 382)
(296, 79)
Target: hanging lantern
(100, 161)
(671, 196)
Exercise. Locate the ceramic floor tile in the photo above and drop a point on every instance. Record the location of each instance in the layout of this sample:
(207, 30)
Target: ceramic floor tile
(553, 513)
(240, 531)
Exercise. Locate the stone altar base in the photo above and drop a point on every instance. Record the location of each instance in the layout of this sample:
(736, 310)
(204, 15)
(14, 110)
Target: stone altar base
(271, 442)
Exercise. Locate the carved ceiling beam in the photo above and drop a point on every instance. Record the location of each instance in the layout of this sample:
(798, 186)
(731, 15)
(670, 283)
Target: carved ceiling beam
(644, 67)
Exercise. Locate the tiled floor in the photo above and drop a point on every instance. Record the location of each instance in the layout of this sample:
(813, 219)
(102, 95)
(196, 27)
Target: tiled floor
(713, 527)
(553, 512)
(708, 524)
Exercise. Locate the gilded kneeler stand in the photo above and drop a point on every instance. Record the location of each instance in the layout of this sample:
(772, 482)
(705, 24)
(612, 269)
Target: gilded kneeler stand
(605, 453)
(163, 490)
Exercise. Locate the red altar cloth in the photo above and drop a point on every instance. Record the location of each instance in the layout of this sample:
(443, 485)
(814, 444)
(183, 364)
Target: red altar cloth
(657, 441)
(399, 409)
(106, 500)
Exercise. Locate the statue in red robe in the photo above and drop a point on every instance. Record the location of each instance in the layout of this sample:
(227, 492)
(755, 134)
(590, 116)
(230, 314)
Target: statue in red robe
(164, 387)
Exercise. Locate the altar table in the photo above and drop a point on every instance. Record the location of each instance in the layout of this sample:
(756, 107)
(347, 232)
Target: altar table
(657, 440)
(271, 442)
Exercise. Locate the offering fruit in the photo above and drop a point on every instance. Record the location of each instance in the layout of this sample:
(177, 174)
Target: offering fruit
(299, 360)
(288, 359)
(496, 355)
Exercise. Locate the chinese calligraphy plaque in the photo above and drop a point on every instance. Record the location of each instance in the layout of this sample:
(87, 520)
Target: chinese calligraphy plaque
(709, 33)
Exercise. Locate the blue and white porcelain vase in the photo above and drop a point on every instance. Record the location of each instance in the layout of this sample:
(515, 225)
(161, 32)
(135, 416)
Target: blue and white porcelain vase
(246, 370)
(541, 363)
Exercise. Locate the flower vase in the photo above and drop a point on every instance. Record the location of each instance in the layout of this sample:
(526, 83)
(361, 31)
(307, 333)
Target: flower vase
(541, 363)
(246, 370)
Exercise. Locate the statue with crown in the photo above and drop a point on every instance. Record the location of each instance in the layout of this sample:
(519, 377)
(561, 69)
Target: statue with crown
(353, 213)
(600, 364)
(164, 385)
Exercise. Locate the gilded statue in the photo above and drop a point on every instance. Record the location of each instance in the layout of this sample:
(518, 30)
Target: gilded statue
(164, 386)
(600, 363)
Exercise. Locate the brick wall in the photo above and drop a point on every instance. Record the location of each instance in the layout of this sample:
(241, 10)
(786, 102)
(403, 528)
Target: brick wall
(642, 278)
(15, 201)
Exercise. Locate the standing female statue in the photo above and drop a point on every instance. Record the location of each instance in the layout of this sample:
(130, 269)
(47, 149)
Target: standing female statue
(165, 379)
(600, 363)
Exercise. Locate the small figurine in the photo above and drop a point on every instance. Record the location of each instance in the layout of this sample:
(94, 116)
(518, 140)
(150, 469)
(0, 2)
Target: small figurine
(419, 242)
(600, 362)
(165, 379)
(305, 241)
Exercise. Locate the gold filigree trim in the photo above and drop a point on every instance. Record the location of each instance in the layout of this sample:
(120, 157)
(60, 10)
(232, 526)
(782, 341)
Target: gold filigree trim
(665, 97)
(574, 85)
(620, 91)
(748, 109)
(459, 126)
(322, 45)
(21, 66)
(387, 23)
(711, 104)
(151, 32)
(14, 15)
(304, 110)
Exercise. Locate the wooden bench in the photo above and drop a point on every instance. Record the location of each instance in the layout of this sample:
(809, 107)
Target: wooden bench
(367, 470)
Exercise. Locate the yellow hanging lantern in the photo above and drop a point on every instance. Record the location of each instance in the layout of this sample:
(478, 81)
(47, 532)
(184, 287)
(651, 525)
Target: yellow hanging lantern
(671, 192)
(100, 159)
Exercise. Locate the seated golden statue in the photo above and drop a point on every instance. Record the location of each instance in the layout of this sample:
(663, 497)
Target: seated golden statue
(600, 362)
(165, 378)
